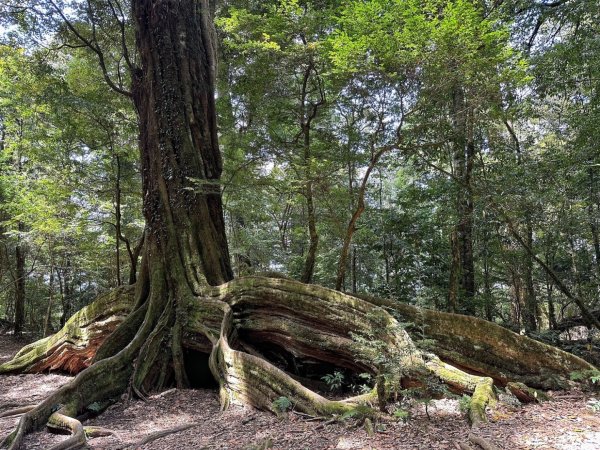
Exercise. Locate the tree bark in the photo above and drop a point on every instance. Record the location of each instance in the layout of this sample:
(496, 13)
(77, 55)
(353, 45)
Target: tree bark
(19, 283)
(464, 154)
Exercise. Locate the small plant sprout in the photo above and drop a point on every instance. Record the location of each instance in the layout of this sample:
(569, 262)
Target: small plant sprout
(282, 404)
(371, 347)
(464, 404)
(334, 380)
(401, 414)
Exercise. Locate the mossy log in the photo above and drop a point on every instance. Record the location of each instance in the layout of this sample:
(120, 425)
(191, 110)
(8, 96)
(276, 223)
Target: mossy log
(485, 348)
(240, 325)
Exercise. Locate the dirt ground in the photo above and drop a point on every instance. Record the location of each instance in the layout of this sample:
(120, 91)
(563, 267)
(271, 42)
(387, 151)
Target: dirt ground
(566, 422)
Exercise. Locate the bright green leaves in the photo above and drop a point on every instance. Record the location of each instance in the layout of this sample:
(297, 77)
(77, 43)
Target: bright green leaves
(380, 34)
(443, 41)
(282, 26)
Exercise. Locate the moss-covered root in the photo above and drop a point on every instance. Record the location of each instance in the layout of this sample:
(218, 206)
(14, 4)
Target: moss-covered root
(104, 380)
(480, 388)
(61, 421)
(306, 322)
(488, 348)
(73, 347)
(248, 380)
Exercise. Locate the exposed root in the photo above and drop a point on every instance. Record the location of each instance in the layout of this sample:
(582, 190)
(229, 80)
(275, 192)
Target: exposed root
(62, 422)
(308, 321)
(487, 348)
(464, 446)
(95, 432)
(482, 442)
(481, 388)
(16, 411)
(234, 323)
(74, 346)
(157, 435)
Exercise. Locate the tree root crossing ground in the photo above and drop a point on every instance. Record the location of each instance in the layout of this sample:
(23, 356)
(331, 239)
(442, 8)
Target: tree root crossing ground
(269, 343)
(565, 423)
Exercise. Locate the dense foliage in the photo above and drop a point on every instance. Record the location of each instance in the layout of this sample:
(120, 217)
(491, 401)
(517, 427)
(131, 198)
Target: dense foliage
(466, 130)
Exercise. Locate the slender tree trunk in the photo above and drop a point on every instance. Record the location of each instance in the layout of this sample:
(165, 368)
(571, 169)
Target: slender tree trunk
(454, 283)
(360, 208)
(592, 218)
(517, 298)
(530, 310)
(386, 257)
(551, 308)
(464, 154)
(308, 112)
(19, 283)
(311, 256)
(354, 271)
(487, 284)
(48, 319)
(530, 300)
(118, 233)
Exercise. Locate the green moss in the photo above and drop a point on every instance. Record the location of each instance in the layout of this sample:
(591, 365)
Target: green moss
(113, 305)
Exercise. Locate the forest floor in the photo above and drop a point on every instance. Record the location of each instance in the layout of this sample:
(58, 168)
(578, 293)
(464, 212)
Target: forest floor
(566, 422)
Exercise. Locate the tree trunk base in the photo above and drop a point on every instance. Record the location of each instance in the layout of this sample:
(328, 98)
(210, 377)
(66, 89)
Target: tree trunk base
(260, 335)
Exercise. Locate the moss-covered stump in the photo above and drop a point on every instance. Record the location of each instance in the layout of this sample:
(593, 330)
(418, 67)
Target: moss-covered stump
(73, 348)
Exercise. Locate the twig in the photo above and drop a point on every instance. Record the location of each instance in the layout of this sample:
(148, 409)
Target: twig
(324, 424)
(164, 393)
(309, 418)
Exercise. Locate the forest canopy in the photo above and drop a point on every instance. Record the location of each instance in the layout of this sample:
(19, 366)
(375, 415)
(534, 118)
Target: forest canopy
(454, 125)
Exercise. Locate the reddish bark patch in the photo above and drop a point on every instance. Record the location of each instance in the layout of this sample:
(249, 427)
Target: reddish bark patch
(69, 358)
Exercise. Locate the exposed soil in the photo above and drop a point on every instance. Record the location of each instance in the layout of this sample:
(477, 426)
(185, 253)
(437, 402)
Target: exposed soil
(566, 422)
